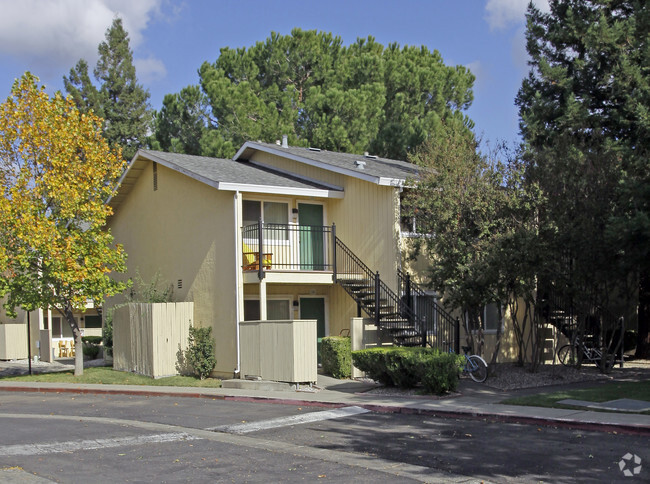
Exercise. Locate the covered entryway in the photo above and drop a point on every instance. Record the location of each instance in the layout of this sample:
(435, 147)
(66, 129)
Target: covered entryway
(314, 308)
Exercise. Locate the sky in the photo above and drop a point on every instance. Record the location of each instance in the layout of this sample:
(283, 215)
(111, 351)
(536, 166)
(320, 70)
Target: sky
(170, 40)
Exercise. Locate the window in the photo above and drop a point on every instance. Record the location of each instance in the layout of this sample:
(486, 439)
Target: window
(407, 220)
(276, 309)
(491, 320)
(60, 328)
(491, 317)
(251, 310)
(93, 321)
(270, 213)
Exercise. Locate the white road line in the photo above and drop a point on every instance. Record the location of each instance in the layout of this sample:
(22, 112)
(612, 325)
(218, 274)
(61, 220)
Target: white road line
(72, 446)
(244, 428)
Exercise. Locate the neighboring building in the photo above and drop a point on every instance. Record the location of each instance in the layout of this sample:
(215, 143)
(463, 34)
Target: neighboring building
(329, 222)
(50, 334)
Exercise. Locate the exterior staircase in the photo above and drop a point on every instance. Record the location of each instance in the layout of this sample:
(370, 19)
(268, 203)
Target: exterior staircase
(410, 316)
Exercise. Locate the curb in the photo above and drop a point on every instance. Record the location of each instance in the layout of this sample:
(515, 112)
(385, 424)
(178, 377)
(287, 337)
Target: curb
(630, 429)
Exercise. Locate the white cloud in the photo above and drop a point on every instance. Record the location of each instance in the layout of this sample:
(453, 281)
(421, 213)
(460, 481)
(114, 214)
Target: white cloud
(52, 35)
(519, 52)
(149, 70)
(482, 73)
(501, 14)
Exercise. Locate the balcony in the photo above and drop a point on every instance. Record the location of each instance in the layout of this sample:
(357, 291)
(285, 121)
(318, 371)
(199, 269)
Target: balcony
(288, 253)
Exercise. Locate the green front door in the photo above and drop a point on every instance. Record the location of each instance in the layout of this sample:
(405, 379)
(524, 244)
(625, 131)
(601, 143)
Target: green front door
(312, 254)
(314, 308)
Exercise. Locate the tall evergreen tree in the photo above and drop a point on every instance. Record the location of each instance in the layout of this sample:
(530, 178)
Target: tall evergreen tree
(306, 85)
(119, 99)
(182, 122)
(584, 117)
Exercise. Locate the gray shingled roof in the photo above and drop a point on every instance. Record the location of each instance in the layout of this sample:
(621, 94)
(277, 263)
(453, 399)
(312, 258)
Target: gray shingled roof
(374, 166)
(219, 170)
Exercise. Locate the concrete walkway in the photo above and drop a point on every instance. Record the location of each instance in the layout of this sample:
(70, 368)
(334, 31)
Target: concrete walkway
(472, 401)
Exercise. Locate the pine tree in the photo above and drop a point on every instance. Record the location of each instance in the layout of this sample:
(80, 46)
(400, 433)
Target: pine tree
(119, 99)
(308, 86)
(584, 116)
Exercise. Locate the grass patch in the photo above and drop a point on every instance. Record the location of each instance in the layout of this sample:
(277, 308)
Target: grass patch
(598, 394)
(107, 376)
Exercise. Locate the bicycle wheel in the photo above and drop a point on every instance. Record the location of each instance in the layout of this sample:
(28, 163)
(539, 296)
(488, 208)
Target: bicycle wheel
(567, 355)
(477, 368)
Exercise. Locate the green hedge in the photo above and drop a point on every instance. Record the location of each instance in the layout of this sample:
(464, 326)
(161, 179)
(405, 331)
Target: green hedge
(95, 340)
(406, 367)
(336, 356)
(90, 350)
(371, 362)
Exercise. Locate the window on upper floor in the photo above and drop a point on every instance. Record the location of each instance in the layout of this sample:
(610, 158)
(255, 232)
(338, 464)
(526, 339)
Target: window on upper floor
(408, 220)
(270, 213)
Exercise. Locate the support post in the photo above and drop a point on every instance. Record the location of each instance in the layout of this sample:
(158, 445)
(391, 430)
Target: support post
(622, 342)
(377, 294)
(260, 233)
(457, 337)
(334, 277)
(29, 342)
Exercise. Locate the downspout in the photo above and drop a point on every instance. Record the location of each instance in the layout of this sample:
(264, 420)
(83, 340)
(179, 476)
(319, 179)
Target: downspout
(237, 276)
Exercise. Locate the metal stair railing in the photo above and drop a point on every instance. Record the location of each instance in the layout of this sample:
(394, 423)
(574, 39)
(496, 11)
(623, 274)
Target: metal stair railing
(373, 296)
(436, 325)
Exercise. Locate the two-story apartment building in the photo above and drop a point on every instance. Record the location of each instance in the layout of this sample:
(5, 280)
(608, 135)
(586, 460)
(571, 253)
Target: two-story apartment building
(311, 215)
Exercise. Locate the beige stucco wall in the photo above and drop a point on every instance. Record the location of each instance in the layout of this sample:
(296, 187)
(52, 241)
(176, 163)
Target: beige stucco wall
(366, 218)
(185, 231)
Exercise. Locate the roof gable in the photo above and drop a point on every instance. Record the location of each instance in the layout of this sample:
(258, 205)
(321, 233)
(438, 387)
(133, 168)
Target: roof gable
(223, 174)
(382, 171)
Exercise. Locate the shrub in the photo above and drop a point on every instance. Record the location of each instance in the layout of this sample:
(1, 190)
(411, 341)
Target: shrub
(95, 340)
(372, 362)
(200, 354)
(336, 356)
(90, 350)
(442, 372)
(406, 367)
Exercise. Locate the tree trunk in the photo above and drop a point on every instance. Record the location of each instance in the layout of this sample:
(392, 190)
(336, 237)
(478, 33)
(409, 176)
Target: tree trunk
(78, 344)
(643, 328)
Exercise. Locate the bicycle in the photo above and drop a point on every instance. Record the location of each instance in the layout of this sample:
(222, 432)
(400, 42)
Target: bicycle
(474, 366)
(568, 354)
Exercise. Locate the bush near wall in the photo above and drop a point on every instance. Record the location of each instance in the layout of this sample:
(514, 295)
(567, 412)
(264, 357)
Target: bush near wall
(406, 367)
(94, 340)
(336, 356)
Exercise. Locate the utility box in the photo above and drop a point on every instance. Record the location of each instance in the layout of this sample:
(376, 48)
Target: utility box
(284, 351)
(13, 341)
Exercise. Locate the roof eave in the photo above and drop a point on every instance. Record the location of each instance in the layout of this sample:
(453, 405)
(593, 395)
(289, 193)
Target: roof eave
(277, 190)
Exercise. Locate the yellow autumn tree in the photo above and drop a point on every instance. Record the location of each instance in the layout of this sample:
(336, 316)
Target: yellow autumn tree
(56, 172)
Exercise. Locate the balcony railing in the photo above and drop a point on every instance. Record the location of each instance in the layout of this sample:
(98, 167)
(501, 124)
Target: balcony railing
(288, 247)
